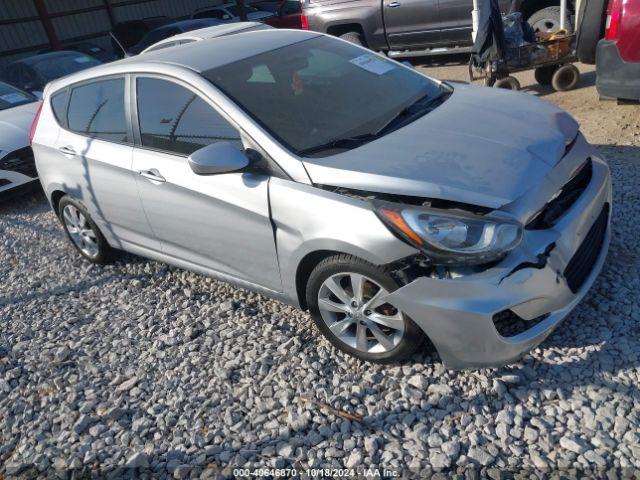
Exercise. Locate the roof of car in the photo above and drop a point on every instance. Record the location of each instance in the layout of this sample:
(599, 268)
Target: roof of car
(198, 56)
(32, 60)
(218, 51)
(217, 31)
(186, 24)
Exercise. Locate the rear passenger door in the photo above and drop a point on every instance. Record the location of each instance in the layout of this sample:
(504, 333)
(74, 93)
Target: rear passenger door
(95, 147)
(219, 222)
(411, 23)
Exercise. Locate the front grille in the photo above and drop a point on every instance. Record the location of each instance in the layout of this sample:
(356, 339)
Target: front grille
(581, 265)
(556, 208)
(508, 324)
(20, 161)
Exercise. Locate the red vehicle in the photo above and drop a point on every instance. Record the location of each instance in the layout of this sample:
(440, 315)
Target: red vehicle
(289, 15)
(618, 54)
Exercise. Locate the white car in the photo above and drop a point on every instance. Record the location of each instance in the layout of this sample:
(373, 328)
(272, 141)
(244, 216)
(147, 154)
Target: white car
(204, 33)
(17, 166)
(229, 13)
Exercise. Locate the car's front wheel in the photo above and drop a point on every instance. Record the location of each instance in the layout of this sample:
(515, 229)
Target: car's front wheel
(83, 231)
(346, 297)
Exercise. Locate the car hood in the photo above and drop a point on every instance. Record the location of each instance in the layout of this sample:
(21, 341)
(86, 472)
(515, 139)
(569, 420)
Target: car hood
(482, 146)
(15, 124)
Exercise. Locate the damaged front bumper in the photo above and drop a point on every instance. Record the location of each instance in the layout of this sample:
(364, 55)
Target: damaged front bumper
(539, 283)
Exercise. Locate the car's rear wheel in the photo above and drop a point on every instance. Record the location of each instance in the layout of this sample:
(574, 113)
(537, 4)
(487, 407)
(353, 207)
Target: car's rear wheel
(83, 232)
(346, 295)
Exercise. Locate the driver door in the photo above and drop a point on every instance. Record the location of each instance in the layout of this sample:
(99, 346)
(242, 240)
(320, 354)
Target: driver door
(411, 23)
(219, 222)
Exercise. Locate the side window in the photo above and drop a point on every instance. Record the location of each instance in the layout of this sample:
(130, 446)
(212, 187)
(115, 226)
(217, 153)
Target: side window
(58, 104)
(97, 110)
(182, 122)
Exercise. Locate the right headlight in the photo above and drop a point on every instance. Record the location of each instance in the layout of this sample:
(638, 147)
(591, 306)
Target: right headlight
(448, 238)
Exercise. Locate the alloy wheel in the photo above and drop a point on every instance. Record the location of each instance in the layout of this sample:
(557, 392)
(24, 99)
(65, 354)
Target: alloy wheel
(354, 309)
(80, 231)
(547, 25)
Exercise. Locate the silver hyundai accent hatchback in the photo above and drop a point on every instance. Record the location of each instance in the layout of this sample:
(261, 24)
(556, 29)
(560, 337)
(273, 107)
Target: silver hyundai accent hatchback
(392, 206)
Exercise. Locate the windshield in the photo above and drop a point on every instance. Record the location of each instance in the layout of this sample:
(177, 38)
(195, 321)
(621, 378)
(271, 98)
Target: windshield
(319, 90)
(12, 97)
(60, 65)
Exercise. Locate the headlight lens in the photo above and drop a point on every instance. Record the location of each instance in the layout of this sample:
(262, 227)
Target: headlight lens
(448, 238)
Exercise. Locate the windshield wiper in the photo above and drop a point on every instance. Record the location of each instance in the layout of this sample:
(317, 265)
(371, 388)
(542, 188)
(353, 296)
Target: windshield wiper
(344, 142)
(413, 111)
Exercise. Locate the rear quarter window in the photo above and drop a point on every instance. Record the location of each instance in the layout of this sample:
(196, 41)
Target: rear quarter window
(59, 105)
(97, 110)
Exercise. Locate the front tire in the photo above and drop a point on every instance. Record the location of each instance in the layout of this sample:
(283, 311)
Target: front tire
(345, 296)
(83, 232)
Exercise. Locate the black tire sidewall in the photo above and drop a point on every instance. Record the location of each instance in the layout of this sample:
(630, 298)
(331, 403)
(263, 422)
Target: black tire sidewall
(413, 336)
(590, 30)
(104, 250)
(544, 75)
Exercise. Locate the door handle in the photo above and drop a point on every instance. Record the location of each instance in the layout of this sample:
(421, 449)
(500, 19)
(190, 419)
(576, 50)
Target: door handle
(68, 150)
(393, 4)
(153, 175)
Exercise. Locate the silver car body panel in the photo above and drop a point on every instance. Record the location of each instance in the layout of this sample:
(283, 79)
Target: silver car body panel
(452, 154)
(512, 162)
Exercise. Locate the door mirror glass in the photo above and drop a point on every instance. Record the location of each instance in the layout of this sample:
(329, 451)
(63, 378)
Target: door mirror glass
(220, 157)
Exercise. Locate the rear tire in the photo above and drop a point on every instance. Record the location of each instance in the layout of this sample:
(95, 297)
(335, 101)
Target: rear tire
(83, 232)
(507, 83)
(590, 30)
(547, 20)
(565, 78)
(354, 314)
(354, 37)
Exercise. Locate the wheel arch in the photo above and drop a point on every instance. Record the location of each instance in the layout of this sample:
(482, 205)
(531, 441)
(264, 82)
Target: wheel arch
(55, 198)
(342, 28)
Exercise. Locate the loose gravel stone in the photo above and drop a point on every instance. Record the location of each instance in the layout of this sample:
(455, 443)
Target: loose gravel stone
(144, 366)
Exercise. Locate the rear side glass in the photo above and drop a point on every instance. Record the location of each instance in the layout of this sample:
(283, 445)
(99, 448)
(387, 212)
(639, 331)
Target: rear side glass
(58, 105)
(97, 110)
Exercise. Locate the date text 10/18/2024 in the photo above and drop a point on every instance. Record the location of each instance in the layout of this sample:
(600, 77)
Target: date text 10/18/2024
(371, 472)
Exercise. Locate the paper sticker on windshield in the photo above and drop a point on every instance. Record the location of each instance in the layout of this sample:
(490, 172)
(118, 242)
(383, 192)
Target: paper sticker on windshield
(13, 98)
(373, 63)
(82, 59)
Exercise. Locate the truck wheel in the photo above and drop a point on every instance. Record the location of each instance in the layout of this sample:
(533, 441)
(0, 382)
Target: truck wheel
(548, 20)
(354, 37)
(508, 83)
(591, 22)
(545, 74)
(565, 78)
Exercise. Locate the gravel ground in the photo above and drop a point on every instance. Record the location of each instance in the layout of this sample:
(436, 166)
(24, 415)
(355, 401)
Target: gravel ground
(138, 365)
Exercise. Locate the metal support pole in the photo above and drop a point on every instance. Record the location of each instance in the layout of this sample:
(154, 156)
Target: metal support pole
(46, 23)
(475, 20)
(563, 14)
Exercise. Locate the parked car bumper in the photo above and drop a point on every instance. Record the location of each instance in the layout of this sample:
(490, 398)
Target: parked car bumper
(615, 77)
(462, 316)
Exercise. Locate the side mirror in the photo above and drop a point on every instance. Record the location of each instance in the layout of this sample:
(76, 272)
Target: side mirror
(220, 157)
